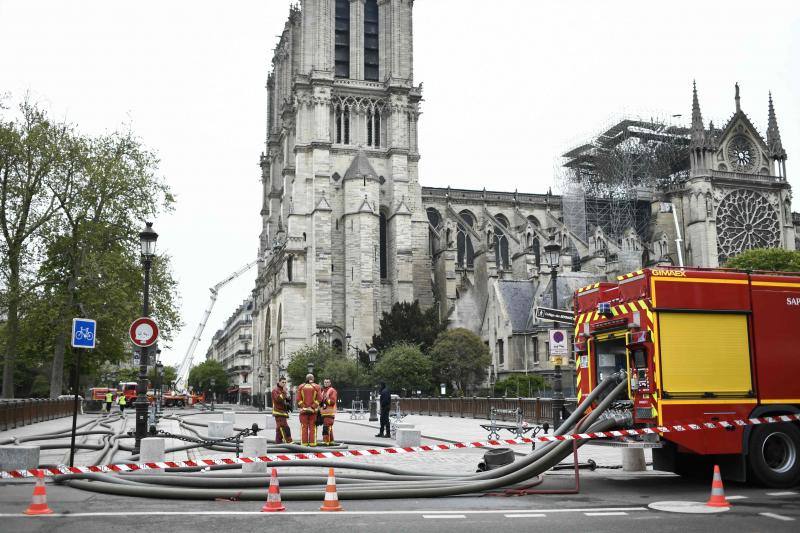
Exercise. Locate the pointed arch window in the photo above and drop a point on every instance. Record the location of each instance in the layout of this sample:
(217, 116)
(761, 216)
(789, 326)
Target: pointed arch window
(289, 261)
(383, 246)
(464, 246)
(342, 123)
(501, 243)
(537, 251)
(373, 127)
(371, 55)
(342, 37)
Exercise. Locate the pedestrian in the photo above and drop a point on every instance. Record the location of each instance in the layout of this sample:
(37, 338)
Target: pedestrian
(122, 403)
(308, 398)
(328, 410)
(109, 400)
(280, 410)
(386, 402)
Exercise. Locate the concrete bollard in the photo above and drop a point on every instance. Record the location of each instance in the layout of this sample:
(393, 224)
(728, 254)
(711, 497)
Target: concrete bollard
(408, 437)
(229, 416)
(151, 450)
(19, 457)
(254, 447)
(219, 429)
(633, 460)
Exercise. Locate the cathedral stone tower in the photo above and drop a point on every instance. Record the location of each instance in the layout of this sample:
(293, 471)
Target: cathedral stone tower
(344, 233)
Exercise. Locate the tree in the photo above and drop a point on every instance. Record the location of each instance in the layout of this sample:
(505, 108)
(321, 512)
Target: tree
(404, 366)
(406, 322)
(32, 160)
(328, 363)
(318, 355)
(460, 358)
(770, 259)
(200, 377)
(113, 188)
(519, 385)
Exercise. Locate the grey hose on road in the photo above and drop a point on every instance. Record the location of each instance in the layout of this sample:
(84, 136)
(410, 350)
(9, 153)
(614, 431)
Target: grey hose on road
(356, 486)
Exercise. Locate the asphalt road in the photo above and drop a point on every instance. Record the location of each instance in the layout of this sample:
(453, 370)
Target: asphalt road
(609, 500)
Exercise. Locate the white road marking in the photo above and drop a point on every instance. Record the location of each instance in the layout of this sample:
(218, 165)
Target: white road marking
(443, 516)
(784, 493)
(620, 513)
(526, 515)
(343, 513)
(736, 497)
(778, 517)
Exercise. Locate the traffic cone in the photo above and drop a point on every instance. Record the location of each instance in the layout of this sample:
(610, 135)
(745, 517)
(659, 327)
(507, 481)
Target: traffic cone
(331, 502)
(717, 498)
(273, 504)
(39, 501)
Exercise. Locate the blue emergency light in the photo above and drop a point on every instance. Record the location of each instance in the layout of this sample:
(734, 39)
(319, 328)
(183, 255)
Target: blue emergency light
(604, 308)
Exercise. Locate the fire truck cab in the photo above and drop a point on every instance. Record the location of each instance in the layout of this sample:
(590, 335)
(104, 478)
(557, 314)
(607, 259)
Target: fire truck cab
(701, 345)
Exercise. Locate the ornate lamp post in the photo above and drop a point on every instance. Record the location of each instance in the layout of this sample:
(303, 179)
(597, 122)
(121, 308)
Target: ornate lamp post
(373, 402)
(262, 399)
(552, 251)
(159, 392)
(147, 241)
(310, 367)
(213, 383)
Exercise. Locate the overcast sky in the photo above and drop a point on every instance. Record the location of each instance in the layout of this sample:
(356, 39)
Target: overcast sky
(508, 86)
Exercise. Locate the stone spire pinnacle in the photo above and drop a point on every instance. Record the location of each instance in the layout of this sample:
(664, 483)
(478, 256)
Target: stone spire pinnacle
(738, 105)
(698, 136)
(773, 134)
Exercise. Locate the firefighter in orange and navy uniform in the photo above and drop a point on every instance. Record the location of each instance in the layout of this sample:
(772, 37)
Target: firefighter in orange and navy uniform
(328, 410)
(308, 397)
(280, 411)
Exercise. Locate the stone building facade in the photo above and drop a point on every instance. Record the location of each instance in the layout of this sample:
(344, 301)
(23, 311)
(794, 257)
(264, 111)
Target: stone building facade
(348, 230)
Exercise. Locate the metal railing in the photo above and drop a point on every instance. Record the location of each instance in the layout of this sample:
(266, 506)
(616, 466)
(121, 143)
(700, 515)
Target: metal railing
(17, 413)
(534, 410)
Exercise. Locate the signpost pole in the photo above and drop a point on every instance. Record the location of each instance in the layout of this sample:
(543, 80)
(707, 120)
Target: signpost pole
(75, 385)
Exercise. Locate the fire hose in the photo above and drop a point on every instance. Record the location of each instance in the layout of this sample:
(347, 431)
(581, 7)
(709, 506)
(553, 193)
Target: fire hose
(378, 482)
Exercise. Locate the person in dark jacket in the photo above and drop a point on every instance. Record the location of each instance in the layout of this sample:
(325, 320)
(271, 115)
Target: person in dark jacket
(386, 401)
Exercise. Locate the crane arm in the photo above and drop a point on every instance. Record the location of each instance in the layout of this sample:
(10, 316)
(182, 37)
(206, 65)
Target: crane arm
(186, 363)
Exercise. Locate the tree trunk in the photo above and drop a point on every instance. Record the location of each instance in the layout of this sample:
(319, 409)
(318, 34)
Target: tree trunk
(12, 325)
(57, 372)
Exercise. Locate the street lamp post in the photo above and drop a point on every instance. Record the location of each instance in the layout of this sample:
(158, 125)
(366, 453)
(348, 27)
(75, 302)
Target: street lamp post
(159, 392)
(373, 402)
(213, 383)
(553, 252)
(262, 399)
(147, 241)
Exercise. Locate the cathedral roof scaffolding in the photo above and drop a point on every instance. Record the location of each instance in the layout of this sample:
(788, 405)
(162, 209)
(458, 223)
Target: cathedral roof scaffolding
(609, 182)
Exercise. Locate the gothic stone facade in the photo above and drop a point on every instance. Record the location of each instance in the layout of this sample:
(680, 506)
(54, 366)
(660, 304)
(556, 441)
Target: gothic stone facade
(348, 230)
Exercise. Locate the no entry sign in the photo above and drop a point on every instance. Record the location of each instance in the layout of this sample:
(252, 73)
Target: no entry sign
(143, 332)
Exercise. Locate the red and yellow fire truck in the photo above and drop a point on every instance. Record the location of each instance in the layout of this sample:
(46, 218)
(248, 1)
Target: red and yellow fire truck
(701, 345)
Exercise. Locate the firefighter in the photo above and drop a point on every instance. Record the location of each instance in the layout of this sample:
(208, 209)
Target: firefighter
(109, 400)
(122, 401)
(308, 398)
(328, 410)
(280, 410)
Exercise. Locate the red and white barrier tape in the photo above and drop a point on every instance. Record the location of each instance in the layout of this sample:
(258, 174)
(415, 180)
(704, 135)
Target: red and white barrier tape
(132, 467)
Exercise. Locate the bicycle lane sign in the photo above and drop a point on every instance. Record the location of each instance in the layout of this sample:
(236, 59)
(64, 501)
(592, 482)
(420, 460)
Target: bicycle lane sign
(84, 333)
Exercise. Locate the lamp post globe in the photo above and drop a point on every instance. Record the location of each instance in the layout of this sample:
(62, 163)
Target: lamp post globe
(310, 367)
(147, 241)
(373, 354)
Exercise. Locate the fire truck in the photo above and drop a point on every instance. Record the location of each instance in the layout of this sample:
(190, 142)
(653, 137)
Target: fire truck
(701, 345)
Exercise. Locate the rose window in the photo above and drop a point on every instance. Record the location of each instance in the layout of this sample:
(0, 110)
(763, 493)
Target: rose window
(745, 220)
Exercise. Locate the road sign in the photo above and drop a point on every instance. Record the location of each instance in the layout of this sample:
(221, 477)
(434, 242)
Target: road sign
(143, 332)
(557, 315)
(84, 333)
(136, 358)
(558, 342)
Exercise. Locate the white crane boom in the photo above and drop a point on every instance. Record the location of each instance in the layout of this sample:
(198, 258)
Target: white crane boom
(186, 363)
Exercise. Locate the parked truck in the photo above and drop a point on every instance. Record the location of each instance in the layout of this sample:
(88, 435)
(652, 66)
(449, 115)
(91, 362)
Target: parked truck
(701, 345)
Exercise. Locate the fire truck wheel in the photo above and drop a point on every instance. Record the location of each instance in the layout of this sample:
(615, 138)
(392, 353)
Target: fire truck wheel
(774, 457)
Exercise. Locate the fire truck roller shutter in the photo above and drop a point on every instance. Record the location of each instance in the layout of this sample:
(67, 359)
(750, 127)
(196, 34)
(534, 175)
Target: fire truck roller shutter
(705, 353)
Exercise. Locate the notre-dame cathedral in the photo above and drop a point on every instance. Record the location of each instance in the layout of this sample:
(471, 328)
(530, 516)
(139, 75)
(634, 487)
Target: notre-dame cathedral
(348, 230)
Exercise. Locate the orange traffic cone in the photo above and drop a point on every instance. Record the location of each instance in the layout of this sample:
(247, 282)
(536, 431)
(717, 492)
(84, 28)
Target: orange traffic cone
(331, 502)
(273, 504)
(717, 498)
(39, 502)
